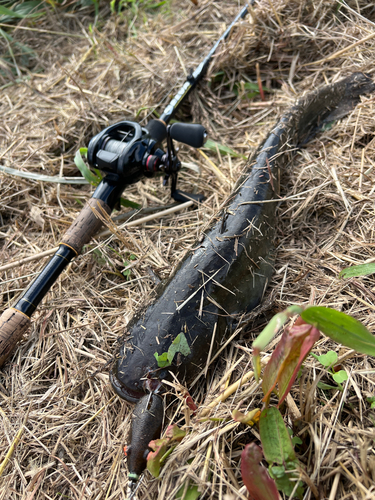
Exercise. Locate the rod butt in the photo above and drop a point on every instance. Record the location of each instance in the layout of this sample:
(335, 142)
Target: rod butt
(13, 324)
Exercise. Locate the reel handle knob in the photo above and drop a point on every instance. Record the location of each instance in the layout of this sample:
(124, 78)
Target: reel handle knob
(191, 134)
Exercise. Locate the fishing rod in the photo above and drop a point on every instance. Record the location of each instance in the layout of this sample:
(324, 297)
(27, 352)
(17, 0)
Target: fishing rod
(126, 152)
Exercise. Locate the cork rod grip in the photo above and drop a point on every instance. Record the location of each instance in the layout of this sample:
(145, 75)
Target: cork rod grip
(86, 224)
(13, 325)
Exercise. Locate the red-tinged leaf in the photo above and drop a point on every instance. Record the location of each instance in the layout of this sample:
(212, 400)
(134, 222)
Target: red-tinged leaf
(249, 418)
(190, 402)
(276, 364)
(255, 476)
(161, 446)
(282, 369)
(268, 334)
(174, 433)
(154, 457)
(293, 362)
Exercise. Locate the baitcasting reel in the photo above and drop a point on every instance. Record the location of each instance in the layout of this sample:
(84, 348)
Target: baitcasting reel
(128, 152)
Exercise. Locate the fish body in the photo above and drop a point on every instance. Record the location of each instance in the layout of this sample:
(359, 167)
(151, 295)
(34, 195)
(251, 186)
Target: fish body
(226, 273)
(224, 276)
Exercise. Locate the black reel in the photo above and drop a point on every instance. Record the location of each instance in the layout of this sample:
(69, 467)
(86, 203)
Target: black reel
(128, 152)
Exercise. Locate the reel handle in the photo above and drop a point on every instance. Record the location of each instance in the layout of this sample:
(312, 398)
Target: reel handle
(191, 134)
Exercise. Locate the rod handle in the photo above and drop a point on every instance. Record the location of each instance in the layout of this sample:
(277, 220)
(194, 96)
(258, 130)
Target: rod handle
(13, 324)
(86, 225)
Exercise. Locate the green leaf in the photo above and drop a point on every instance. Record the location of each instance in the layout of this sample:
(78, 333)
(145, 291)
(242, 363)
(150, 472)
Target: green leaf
(277, 471)
(162, 359)
(21, 11)
(371, 399)
(285, 480)
(11, 13)
(131, 204)
(84, 169)
(341, 328)
(340, 376)
(277, 445)
(191, 493)
(327, 359)
(179, 344)
(355, 271)
(295, 439)
(214, 146)
(326, 387)
(278, 451)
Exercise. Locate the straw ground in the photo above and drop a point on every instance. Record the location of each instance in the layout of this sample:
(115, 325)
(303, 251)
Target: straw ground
(85, 73)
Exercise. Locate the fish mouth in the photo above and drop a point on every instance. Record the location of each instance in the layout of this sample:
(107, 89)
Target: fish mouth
(124, 392)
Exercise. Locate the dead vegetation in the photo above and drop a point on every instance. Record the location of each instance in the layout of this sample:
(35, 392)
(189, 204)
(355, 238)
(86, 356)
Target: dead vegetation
(83, 78)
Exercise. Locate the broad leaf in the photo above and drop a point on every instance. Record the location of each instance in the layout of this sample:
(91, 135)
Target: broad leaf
(277, 444)
(255, 476)
(180, 344)
(342, 328)
(162, 359)
(360, 270)
(162, 448)
(286, 360)
(154, 458)
(340, 376)
(278, 451)
(327, 359)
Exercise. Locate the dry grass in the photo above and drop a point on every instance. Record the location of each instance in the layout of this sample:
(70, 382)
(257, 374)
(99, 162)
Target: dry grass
(56, 384)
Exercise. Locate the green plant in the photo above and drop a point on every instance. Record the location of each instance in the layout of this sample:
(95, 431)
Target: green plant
(285, 471)
(179, 344)
(328, 360)
(355, 271)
